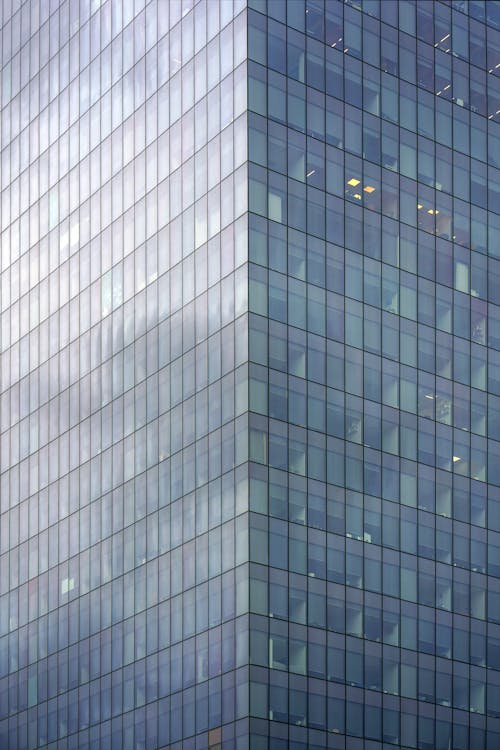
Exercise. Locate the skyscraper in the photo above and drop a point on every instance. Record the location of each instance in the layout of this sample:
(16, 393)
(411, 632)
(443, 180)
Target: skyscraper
(373, 347)
(123, 342)
(249, 384)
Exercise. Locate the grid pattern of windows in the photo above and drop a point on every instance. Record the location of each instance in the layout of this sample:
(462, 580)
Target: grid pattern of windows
(374, 310)
(250, 374)
(123, 308)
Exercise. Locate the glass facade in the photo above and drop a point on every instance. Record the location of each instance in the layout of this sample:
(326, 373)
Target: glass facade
(374, 292)
(124, 242)
(249, 374)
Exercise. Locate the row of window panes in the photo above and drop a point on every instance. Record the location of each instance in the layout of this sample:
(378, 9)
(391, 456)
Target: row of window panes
(308, 307)
(66, 252)
(289, 102)
(79, 410)
(183, 331)
(306, 257)
(99, 518)
(323, 556)
(82, 581)
(19, 318)
(135, 322)
(110, 117)
(210, 214)
(85, 91)
(375, 669)
(97, 718)
(434, 23)
(327, 458)
(379, 618)
(284, 50)
(87, 174)
(94, 36)
(97, 656)
(309, 161)
(344, 416)
(192, 467)
(400, 339)
(61, 539)
(297, 701)
(326, 603)
(327, 216)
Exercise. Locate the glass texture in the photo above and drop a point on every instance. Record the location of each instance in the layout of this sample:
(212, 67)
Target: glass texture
(250, 374)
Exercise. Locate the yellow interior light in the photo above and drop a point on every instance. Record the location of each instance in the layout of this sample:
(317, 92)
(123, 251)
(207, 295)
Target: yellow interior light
(455, 459)
(357, 196)
(369, 189)
(353, 182)
(419, 206)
